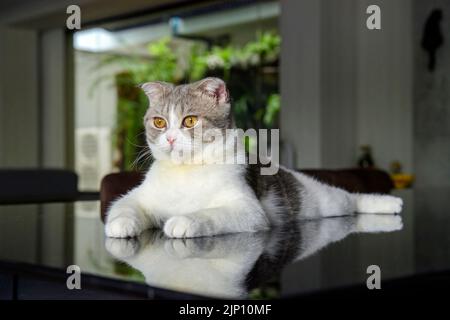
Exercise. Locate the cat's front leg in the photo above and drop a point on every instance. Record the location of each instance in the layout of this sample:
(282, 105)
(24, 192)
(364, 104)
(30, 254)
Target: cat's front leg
(215, 221)
(126, 219)
(124, 223)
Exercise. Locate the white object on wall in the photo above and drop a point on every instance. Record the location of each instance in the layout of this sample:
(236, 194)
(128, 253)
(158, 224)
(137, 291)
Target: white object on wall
(93, 156)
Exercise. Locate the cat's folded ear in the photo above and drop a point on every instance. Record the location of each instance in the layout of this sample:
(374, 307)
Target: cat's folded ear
(213, 87)
(155, 90)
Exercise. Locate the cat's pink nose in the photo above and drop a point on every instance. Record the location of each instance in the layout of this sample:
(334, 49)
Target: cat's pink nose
(171, 140)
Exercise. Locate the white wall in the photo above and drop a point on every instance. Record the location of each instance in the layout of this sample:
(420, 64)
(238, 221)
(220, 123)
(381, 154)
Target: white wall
(338, 54)
(19, 136)
(300, 80)
(432, 102)
(343, 85)
(35, 132)
(56, 127)
(18, 98)
(385, 83)
(95, 91)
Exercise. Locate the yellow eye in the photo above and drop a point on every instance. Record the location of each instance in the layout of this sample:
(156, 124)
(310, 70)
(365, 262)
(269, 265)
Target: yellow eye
(190, 121)
(159, 122)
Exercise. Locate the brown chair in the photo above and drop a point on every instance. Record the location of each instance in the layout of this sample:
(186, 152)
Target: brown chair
(353, 180)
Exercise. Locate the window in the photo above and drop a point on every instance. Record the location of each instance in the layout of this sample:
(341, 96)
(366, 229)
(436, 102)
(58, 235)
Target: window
(237, 41)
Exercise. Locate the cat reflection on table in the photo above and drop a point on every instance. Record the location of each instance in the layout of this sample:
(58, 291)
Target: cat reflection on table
(229, 266)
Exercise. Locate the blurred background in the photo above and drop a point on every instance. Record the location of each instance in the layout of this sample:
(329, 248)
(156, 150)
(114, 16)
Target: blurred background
(343, 96)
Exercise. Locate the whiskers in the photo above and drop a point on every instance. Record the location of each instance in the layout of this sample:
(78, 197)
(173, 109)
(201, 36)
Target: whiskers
(144, 155)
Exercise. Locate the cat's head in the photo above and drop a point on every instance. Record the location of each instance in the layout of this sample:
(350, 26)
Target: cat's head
(179, 117)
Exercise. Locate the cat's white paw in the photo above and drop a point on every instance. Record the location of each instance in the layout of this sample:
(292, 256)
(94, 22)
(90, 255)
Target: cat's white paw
(368, 203)
(181, 227)
(122, 248)
(123, 227)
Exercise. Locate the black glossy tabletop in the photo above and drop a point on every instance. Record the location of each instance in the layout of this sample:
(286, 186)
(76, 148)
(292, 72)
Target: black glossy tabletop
(299, 258)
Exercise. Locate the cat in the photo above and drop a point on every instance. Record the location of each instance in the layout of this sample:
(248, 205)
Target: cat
(188, 198)
(230, 266)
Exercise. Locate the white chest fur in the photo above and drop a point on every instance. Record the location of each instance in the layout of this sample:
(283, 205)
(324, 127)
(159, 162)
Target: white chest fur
(171, 189)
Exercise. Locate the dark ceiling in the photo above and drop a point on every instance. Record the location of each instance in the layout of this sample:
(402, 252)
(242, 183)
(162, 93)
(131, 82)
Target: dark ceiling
(45, 14)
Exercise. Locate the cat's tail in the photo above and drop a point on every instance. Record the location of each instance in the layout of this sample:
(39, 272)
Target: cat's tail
(324, 200)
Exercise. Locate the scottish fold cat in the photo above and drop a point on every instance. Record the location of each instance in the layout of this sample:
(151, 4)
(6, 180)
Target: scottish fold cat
(192, 190)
